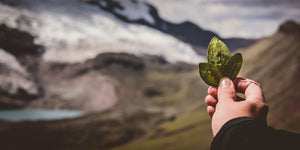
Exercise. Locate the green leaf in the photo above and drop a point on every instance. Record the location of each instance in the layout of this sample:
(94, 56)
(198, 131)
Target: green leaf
(217, 53)
(220, 63)
(210, 74)
(233, 66)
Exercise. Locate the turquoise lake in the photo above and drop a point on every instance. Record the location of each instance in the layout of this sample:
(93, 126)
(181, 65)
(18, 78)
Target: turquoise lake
(37, 114)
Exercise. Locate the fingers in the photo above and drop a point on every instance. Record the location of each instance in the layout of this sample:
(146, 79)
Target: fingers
(251, 89)
(254, 93)
(226, 90)
(211, 101)
(210, 111)
(242, 84)
(213, 91)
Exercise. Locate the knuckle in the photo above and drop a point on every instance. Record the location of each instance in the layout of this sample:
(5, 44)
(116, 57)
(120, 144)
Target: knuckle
(259, 85)
(252, 105)
(258, 106)
(262, 105)
(254, 82)
(265, 107)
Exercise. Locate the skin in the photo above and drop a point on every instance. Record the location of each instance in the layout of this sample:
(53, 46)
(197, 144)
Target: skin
(223, 104)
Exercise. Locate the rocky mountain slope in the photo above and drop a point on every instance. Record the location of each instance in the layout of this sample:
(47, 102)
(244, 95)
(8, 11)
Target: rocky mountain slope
(111, 88)
(274, 62)
(159, 105)
(79, 30)
(40, 36)
(19, 62)
(74, 31)
(143, 13)
(124, 97)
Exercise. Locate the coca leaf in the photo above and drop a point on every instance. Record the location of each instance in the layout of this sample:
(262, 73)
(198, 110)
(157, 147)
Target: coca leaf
(210, 74)
(217, 53)
(220, 63)
(233, 66)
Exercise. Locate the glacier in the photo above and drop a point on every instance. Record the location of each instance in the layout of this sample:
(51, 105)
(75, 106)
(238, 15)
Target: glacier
(74, 31)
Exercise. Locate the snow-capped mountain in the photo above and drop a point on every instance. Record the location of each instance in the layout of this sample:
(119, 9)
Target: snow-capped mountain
(73, 31)
(141, 12)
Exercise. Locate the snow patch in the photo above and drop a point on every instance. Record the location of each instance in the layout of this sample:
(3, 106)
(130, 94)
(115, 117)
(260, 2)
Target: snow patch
(16, 77)
(11, 62)
(135, 11)
(73, 31)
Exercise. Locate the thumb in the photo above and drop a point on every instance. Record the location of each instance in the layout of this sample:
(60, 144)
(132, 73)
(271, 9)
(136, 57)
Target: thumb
(226, 91)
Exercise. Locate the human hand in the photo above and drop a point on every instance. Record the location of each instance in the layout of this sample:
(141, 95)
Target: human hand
(223, 104)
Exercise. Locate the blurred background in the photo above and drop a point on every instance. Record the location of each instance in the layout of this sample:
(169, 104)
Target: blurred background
(123, 74)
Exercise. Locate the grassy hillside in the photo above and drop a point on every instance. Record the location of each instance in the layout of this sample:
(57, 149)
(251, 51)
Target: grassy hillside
(182, 98)
(273, 62)
(189, 125)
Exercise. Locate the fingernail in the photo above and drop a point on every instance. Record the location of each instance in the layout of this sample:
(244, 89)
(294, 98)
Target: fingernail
(225, 82)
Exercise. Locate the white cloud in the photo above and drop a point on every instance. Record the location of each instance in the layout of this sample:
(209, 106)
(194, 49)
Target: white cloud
(230, 18)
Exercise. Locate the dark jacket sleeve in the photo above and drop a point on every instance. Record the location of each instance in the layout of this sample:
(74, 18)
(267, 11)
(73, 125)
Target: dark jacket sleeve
(246, 133)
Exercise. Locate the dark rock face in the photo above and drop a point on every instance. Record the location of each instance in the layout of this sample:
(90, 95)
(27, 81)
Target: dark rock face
(155, 60)
(122, 59)
(152, 92)
(15, 80)
(19, 66)
(18, 42)
(290, 27)
(238, 43)
(111, 5)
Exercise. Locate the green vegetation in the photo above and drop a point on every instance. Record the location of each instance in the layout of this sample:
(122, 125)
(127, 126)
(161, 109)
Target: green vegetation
(220, 63)
(190, 130)
(183, 99)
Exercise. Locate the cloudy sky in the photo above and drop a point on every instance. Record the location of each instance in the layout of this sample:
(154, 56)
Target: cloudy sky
(231, 18)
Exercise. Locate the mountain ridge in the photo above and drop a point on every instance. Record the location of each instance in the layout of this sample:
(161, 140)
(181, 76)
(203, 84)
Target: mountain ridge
(274, 62)
(185, 31)
(74, 31)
